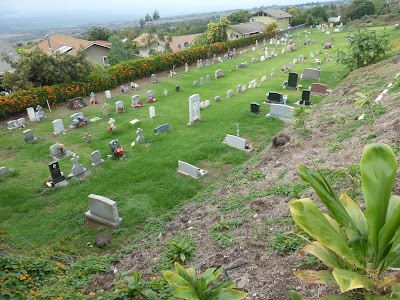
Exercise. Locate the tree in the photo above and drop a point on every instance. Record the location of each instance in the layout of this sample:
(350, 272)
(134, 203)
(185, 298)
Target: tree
(98, 34)
(216, 32)
(120, 51)
(270, 29)
(142, 23)
(358, 9)
(365, 48)
(156, 15)
(37, 68)
(319, 13)
(149, 40)
(147, 18)
(200, 40)
(241, 16)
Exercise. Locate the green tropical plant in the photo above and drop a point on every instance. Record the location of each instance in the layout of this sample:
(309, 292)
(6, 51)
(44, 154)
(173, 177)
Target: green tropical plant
(138, 288)
(180, 249)
(357, 247)
(187, 285)
(300, 115)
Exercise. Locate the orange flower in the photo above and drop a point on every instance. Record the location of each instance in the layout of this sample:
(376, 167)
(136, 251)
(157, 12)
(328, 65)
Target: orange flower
(23, 277)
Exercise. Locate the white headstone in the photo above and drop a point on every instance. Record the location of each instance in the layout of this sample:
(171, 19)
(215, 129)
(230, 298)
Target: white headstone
(229, 93)
(31, 114)
(3, 171)
(119, 106)
(264, 78)
(190, 170)
(152, 112)
(103, 210)
(108, 94)
(194, 108)
(207, 103)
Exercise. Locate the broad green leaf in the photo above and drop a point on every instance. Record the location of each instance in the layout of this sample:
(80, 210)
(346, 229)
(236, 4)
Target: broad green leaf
(308, 217)
(388, 231)
(394, 202)
(378, 168)
(174, 279)
(336, 226)
(189, 274)
(182, 256)
(393, 257)
(327, 196)
(320, 277)
(150, 294)
(136, 276)
(295, 295)
(355, 214)
(232, 294)
(349, 280)
(186, 292)
(357, 238)
(211, 274)
(328, 257)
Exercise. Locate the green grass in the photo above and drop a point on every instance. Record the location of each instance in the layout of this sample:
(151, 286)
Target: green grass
(145, 184)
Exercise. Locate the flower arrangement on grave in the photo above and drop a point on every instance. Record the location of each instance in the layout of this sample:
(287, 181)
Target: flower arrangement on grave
(112, 127)
(299, 87)
(77, 106)
(80, 121)
(284, 84)
(118, 153)
(120, 109)
(61, 147)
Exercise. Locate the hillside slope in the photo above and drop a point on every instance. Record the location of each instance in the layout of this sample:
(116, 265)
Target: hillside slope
(242, 222)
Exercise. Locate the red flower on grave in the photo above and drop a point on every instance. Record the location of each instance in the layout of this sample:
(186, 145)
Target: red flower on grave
(119, 152)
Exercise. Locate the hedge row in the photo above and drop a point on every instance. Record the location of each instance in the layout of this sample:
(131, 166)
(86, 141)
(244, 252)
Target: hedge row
(125, 72)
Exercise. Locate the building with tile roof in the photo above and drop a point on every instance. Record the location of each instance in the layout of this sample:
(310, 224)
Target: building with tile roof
(241, 30)
(268, 16)
(96, 51)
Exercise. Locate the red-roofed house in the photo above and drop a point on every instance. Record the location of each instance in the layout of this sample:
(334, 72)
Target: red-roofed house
(96, 51)
(178, 43)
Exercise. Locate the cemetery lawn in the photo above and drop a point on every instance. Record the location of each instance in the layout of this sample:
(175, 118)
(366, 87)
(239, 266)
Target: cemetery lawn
(156, 202)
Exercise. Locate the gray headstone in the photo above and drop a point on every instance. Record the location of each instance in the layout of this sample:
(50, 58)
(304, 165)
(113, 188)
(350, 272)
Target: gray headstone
(280, 111)
(217, 99)
(310, 74)
(96, 158)
(201, 80)
(31, 114)
(58, 126)
(229, 93)
(103, 210)
(208, 78)
(218, 73)
(237, 142)
(190, 170)
(163, 128)
(153, 78)
(3, 171)
(28, 136)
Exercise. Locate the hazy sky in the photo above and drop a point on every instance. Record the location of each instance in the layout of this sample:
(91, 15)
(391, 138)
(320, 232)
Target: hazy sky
(29, 8)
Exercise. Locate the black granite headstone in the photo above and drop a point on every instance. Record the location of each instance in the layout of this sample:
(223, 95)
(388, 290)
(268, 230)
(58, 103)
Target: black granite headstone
(292, 81)
(255, 107)
(56, 175)
(305, 97)
(177, 88)
(274, 97)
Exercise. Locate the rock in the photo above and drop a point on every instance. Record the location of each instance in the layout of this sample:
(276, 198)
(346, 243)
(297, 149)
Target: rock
(280, 139)
(101, 240)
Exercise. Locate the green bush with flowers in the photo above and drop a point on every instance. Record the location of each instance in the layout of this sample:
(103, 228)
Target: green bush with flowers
(116, 75)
